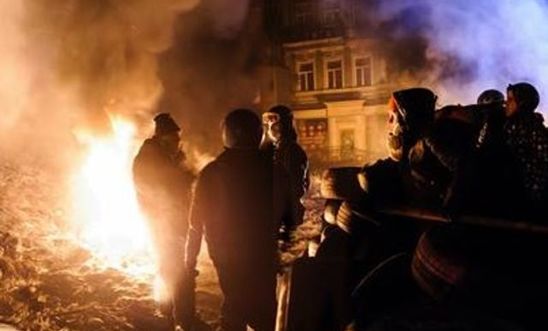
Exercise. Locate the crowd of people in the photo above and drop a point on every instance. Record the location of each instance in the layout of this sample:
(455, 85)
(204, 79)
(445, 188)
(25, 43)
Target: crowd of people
(243, 203)
(382, 261)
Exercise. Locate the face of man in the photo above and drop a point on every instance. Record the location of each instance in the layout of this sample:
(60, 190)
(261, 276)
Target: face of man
(171, 142)
(511, 104)
(395, 134)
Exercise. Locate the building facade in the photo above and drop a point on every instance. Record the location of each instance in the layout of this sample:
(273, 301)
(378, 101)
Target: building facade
(333, 74)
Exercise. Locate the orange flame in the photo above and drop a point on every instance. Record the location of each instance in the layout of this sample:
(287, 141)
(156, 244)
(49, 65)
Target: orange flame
(111, 225)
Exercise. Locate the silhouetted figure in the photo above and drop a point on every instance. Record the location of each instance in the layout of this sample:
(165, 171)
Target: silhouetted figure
(281, 140)
(163, 185)
(527, 139)
(489, 269)
(485, 182)
(414, 173)
(240, 202)
(360, 240)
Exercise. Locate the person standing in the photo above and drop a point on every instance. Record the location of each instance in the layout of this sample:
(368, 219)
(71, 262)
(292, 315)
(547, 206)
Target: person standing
(280, 140)
(240, 201)
(527, 138)
(163, 186)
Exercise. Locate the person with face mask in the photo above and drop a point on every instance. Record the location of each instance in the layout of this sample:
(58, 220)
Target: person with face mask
(412, 174)
(240, 202)
(163, 186)
(280, 140)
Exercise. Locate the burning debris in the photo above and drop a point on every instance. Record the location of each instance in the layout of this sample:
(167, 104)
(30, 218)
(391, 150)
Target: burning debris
(49, 281)
(81, 78)
(52, 279)
(106, 207)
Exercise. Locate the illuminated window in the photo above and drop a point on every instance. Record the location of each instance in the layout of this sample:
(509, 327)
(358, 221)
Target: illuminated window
(306, 76)
(334, 74)
(313, 136)
(363, 71)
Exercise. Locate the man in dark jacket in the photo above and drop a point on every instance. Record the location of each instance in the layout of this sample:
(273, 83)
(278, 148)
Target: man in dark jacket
(241, 200)
(281, 141)
(163, 185)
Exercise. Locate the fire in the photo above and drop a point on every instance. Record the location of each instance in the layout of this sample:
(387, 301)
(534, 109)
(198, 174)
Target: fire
(110, 223)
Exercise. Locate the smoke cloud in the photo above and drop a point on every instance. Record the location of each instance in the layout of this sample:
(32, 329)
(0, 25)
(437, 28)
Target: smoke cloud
(68, 65)
(461, 48)
(212, 68)
(71, 63)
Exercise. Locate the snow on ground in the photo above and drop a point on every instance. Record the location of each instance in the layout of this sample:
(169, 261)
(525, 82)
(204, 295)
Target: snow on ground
(49, 282)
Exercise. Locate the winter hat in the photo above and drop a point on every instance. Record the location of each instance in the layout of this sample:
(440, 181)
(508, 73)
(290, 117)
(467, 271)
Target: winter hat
(526, 96)
(165, 124)
(242, 129)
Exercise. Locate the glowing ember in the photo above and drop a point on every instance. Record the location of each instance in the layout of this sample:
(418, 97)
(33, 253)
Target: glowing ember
(110, 222)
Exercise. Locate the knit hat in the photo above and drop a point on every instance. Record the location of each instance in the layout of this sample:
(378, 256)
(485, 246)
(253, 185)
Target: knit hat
(165, 124)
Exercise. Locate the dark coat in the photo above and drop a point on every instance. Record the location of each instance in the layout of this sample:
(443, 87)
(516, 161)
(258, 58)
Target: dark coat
(240, 201)
(289, 155)
(527, 139)
(163, 187)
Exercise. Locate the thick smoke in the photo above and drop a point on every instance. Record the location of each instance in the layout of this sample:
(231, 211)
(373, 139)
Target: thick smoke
(72, 63)
(32, 108)
(212, 68)
(463, 47)
(69, 64)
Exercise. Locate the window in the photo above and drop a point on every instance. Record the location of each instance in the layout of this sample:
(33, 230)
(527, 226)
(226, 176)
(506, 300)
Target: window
(363, 71)
(306, 76)
(334, 74)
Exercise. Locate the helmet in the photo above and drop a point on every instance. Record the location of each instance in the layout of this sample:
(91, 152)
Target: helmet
(242, 129)
(527, 96)
(490, 96)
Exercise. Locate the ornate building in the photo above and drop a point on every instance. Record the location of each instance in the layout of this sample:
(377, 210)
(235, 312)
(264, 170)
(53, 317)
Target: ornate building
(332, 73)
